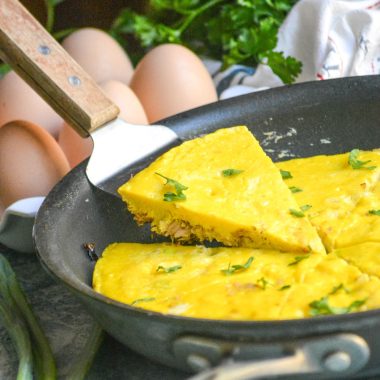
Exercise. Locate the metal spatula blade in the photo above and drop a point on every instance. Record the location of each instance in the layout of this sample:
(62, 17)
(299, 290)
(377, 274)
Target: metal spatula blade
(118, 145)
(35, 55)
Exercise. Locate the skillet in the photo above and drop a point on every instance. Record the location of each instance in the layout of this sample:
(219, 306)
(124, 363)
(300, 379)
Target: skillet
(301, 120)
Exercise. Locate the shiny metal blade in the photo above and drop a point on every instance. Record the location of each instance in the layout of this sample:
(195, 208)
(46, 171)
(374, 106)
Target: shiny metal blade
(118, 145)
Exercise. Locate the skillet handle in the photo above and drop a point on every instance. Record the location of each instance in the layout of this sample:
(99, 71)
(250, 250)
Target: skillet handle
(326, 356)
(41, 61)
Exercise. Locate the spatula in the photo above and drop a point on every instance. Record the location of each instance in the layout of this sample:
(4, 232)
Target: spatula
(36, 56)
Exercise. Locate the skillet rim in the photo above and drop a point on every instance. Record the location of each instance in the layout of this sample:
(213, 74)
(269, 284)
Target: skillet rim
(83, 289)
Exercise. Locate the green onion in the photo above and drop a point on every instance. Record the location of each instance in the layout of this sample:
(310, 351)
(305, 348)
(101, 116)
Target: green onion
(83, 363)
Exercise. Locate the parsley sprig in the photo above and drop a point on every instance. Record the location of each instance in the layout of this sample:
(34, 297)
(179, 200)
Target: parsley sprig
(179, 188)
(231, 31)
(237, 267)
(355, 163)
(323, 307)
(374, 212)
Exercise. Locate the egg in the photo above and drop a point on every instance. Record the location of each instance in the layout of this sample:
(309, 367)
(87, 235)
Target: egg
(78, 148)
(18, 101)
(170, 79)
(99, 54)
(31, 162)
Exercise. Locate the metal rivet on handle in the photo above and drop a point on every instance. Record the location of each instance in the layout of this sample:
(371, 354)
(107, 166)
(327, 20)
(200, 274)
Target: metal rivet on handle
(74, 80)
(43, 49)
(338, 361)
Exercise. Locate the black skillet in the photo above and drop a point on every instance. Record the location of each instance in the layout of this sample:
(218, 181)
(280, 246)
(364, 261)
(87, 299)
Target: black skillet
(326, 117)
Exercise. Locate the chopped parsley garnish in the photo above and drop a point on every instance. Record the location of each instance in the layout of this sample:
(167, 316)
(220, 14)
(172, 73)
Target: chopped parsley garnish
(172, 269)
(231, 172)
(146, 299)
(337, 288)
(300, 213)
(295, 189)
(237, 267)
(179, 188)
(285, 174)
(322, 307)
(374, 212)
(262, 283)
(285, 287)
(305, 207)
(356, 163)
(297, 259)
(296, 213)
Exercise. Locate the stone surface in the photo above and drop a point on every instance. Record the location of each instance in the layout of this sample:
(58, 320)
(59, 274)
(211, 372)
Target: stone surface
(67, 326)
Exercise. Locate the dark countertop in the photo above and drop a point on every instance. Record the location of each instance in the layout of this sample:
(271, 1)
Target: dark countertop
(67, 325)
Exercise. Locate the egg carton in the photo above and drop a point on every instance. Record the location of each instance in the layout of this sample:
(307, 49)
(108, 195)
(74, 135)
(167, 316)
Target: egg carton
(16, 224)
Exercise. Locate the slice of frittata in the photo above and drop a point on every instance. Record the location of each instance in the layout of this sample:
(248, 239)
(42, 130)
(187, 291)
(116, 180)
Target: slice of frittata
(220, 187)
(363, 224)
(232, 283)
(328, 188)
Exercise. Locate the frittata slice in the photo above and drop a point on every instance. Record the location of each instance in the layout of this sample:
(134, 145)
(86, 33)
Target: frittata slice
(220, 187)
(363, 223)
(365, 256)
(232, 283)
(328, 188)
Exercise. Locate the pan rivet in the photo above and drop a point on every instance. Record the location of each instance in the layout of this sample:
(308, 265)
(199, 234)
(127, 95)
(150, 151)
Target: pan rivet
(198, 362)
(43, 49)
(338, 361)
(74, 80)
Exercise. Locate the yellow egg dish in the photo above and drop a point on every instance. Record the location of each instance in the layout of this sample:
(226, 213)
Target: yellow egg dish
(365, 256)
(330, 188)
(220, 187)
(363, 224)
(232, 283)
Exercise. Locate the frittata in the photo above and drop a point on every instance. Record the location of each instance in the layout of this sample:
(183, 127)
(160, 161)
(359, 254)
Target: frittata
(233, 283)
(223, 187)
(330, 187)
(220, 187)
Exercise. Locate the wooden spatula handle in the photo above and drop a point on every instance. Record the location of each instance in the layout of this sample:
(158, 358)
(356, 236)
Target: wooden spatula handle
(38, 58)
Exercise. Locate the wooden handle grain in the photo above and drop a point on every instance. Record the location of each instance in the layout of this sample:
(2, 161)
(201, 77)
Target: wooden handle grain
(42, 62)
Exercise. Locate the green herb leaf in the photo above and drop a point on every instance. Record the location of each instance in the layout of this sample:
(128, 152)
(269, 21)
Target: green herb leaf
(285, 287)
(285, 174)
(179, 195)
(337, 288)
(172, 269)
(263, 283)
(146, 299)
(322, 307)
(297, 259)
(305, 207)
(374, 212)
(237, 268)
(296, 213)
(234, 32)
(356, 163)
(231, 172)
(4, 69)
(295, 189)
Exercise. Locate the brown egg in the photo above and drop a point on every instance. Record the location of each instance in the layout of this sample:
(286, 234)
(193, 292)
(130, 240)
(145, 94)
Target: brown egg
(99, 54)
(171, 79)
(18, 101)
(78, 148)
(31, 161)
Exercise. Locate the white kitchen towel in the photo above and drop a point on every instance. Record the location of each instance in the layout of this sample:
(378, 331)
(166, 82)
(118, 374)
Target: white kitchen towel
(332, 38)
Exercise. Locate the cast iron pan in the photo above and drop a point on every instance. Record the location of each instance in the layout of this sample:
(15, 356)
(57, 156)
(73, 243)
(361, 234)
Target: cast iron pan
(327, 117)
